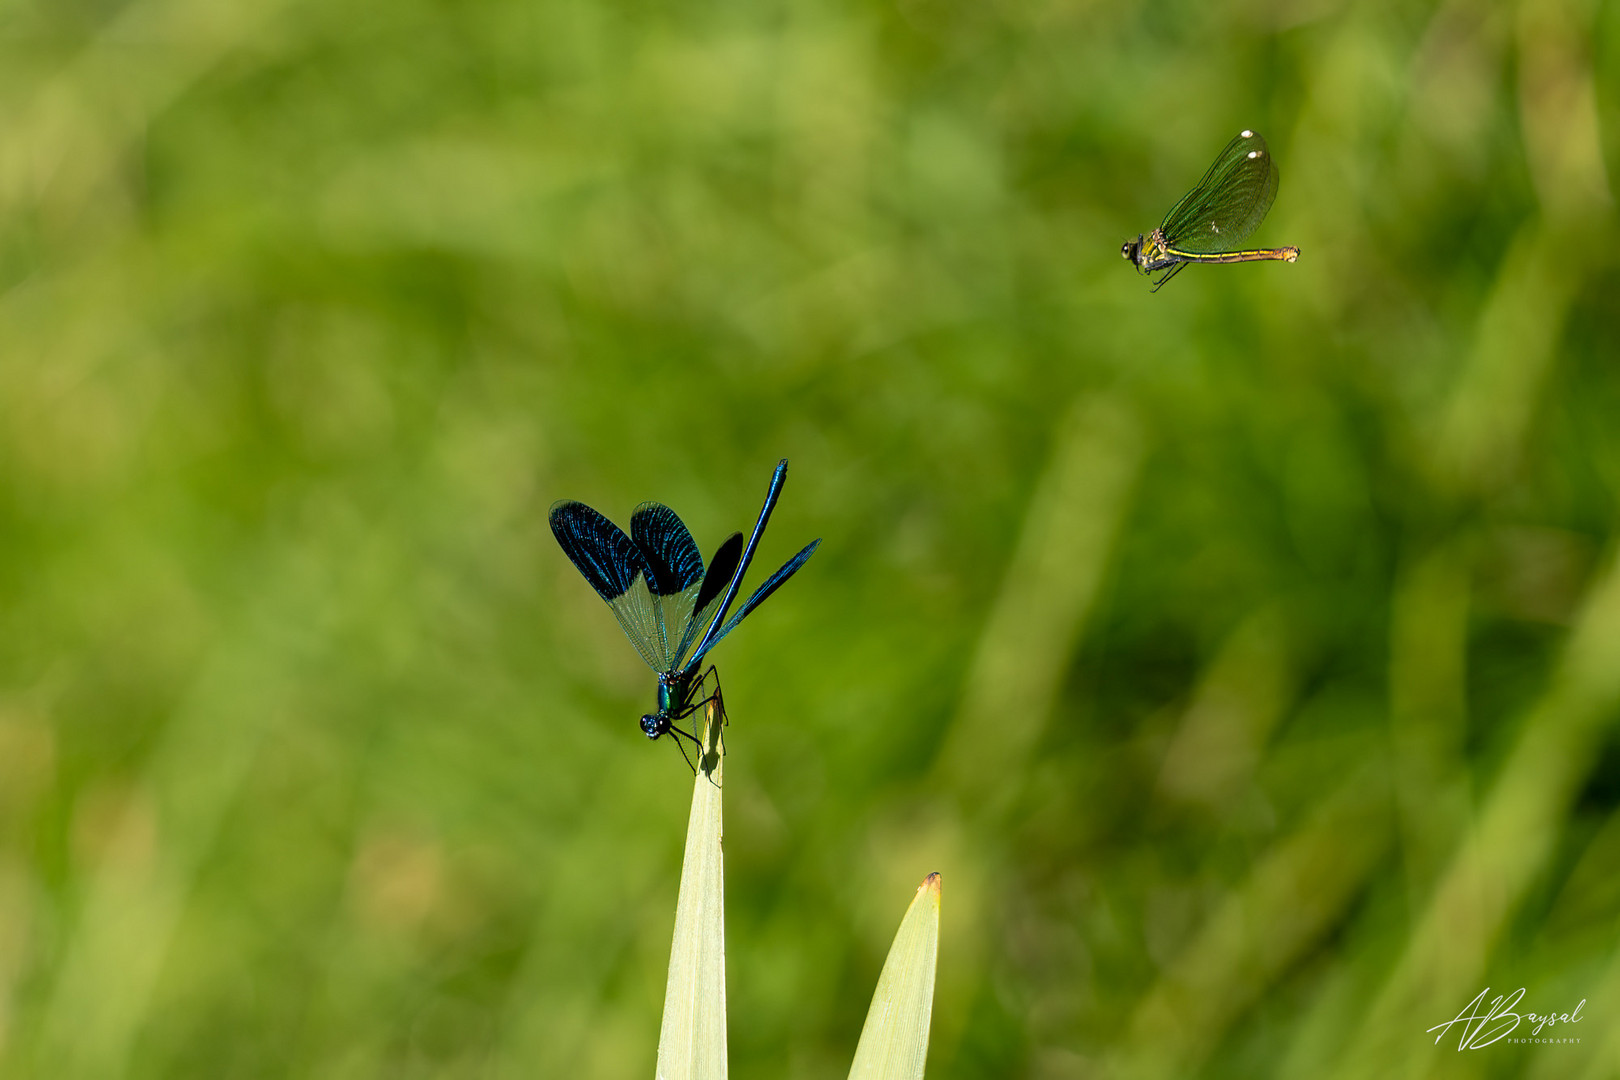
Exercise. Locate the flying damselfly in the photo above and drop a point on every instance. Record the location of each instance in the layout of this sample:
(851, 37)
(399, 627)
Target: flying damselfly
(1212, 219)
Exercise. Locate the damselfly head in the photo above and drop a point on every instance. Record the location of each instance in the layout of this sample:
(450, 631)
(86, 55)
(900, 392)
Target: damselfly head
(654, 724)
(1130, 249)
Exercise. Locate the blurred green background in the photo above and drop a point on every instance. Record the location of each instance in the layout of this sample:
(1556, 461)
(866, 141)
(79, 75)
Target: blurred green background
(1245, 656)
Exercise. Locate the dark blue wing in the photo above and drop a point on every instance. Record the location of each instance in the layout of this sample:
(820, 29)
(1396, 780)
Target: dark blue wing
(672, 556)
(774, 492)
(617, 570)
(771, 584)
(722, 568)
(610, 560)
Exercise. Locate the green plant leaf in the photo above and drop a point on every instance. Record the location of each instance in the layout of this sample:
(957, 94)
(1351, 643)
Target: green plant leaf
(692, 1042)
(894, 1042)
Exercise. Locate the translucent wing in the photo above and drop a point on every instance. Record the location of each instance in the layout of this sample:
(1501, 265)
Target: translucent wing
(771, 584)
(675, 572)
(616, 569)
(1229, 202)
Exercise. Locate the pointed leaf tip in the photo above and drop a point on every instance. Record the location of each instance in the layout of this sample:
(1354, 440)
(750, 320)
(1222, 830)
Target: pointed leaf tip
(894, 1042)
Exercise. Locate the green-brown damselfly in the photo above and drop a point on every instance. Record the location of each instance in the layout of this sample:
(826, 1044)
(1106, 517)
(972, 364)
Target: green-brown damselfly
(1212, 219)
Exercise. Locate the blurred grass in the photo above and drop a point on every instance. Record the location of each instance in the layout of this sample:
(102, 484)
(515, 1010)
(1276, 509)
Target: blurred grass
(316, 757)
